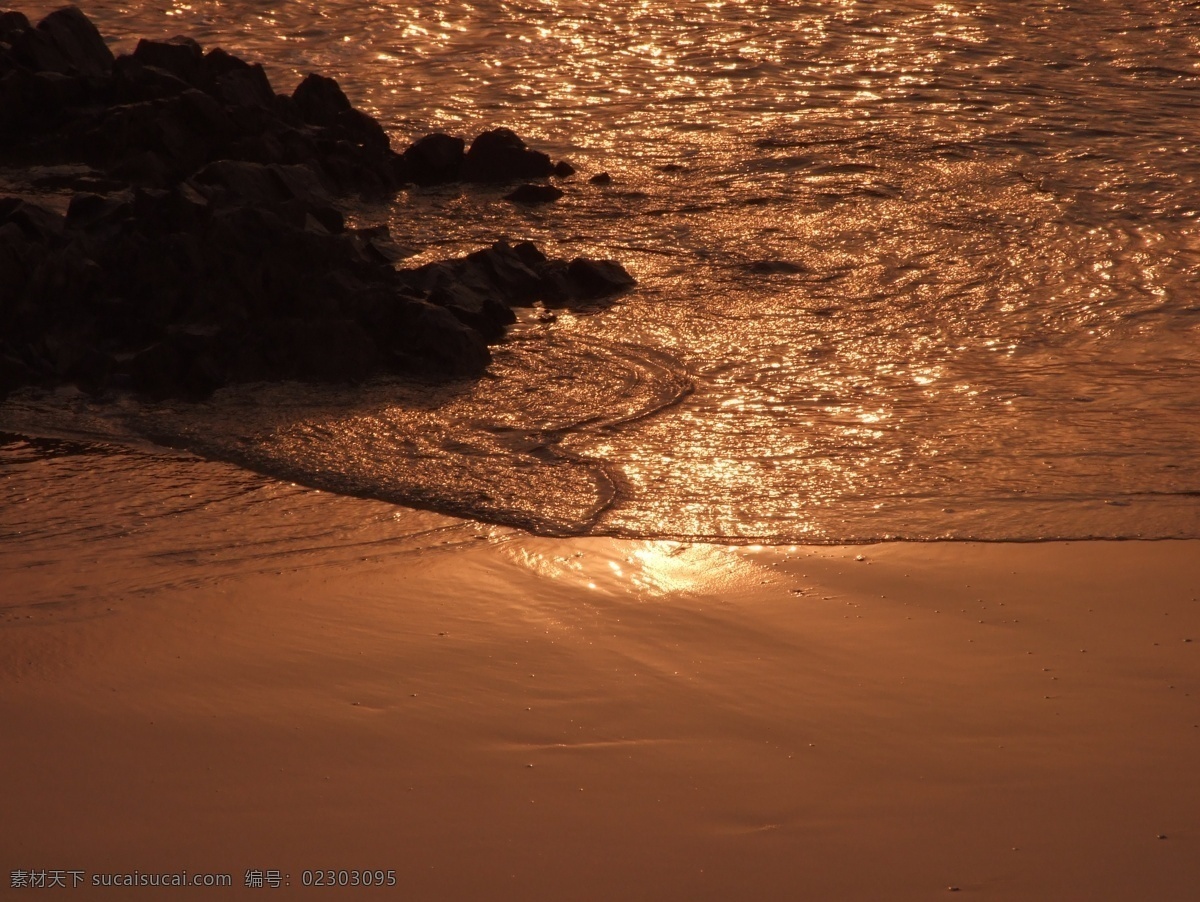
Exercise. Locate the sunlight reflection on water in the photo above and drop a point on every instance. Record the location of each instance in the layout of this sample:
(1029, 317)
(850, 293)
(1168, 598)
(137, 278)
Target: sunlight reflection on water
(930, 268)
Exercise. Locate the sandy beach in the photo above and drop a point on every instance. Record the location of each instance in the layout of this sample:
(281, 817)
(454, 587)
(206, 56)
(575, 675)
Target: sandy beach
(508, 717)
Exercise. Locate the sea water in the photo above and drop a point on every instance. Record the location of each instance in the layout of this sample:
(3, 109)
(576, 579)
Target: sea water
(907, 270)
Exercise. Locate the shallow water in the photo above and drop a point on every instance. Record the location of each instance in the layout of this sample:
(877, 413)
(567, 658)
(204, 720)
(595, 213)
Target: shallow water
(87, 523)
(908, 270)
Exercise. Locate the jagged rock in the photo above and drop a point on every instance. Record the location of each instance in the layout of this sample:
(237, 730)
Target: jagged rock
(500, 155)
(205, 247)
(36, 222)
(181, 56)
(246, 87)
(66, 42)
(182, 132)
(65, 99)
(255, 183)
(90, 211)
(321, 349)
(520, 276)
(483, 313)
(135, 81)
(502, 267)
(320, 100)
(180, 208)
(421, 336)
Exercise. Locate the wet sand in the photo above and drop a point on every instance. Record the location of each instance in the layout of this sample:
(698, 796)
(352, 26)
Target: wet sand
(522, 718)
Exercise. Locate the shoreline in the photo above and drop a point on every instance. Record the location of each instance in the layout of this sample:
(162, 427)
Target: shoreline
(528, 718)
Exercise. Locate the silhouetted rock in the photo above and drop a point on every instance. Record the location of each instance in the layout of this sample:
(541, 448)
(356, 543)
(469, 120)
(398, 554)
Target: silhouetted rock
(320, 100)
(435, 159)
(203, 245)
(500, 155)
(181, 56)
(65, 42)
(601, 178)
(563, 169)
(90, 211)
(322, 349)
(534, 194)
(590, 279)
(12, 25)
(37, 223)
(239, 181)
(519, 276)
(134, 81)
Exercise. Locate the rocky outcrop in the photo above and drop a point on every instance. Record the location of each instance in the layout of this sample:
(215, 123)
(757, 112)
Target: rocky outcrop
(157, 115)
(205, 247)
(245, 273)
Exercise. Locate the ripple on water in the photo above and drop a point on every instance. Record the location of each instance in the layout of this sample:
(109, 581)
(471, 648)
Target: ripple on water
(913, 269)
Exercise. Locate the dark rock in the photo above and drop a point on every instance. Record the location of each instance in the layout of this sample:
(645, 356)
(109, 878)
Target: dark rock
(218, 62)
(183, 132)
(244, 86)
(323, 350)
(88, 211)
(592, 279)
(37, 223)
(501, 268)
(435, 159)
(181, 56)
(263, 148)
(243, 182)
(519, 276)
(529, 254)
(145, 168)
(158, 371)
(12, 25)
(774, 267)
(135, 81)
(600, 178)
(16, 104)
(13, 270)
(181, 208)
(563, 169)
(334, 223)
(500, 155)
(65, 41)
(14, 372)
(421, 337)
(534, 194)
(75, 359)
(202, 244)
(363, 130)
(53, 91)
(380, 239)
(555, 286)
(468, 293)
(320, 100)
(483, 313)
(34, 101)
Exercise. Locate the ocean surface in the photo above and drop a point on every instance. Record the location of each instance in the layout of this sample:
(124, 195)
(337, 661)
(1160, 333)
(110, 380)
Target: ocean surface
(908, 270)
